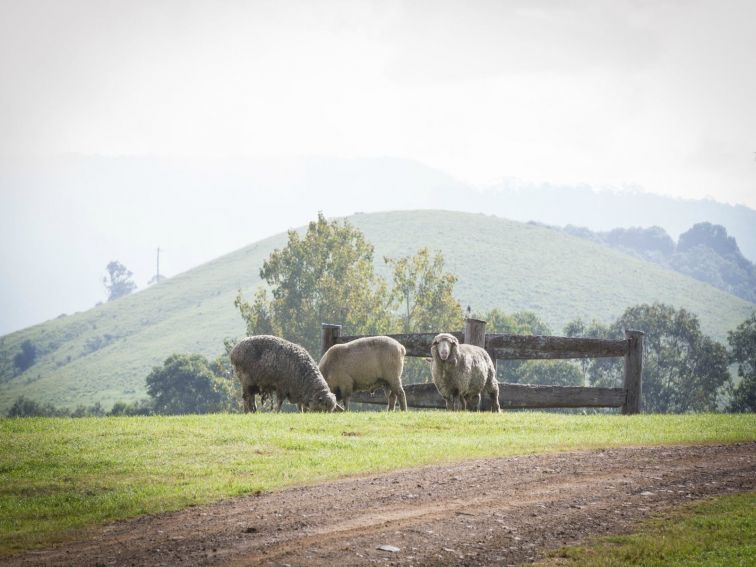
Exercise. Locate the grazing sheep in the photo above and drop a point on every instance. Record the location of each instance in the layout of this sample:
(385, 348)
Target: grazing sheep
(364, 364)
(267, 364)
(461, 372)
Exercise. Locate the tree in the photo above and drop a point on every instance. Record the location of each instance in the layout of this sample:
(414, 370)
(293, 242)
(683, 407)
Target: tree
(25, 359)
(596, 371)
(325, 276)
(24, 407)
(742, 343)
(518, 323)
(422, 298)
(423, 293)
(140, 407)
(683, 369)
(186, 383)
(118, 281)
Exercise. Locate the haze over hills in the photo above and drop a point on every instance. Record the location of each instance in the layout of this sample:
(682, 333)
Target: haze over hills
(63, 219)
(105, 353)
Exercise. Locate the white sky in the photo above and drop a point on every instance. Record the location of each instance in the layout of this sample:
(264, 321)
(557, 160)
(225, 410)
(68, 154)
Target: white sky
(655, 94)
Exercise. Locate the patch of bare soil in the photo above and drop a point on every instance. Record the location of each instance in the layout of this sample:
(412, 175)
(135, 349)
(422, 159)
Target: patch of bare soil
(483, 512)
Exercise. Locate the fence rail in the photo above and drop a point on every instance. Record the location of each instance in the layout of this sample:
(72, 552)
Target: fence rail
(522, 347)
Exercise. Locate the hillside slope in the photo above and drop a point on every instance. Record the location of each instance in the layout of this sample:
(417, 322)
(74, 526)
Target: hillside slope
(105, 353)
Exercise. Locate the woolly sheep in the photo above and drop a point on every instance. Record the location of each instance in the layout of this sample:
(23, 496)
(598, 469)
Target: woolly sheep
(364, 364)
(267, 364)
(462, 372)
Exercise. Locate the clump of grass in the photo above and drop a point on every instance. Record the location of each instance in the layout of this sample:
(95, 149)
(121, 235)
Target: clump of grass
(721, 531)
(58, 475)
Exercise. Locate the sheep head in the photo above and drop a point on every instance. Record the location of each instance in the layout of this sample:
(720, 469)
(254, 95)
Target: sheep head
(445, 346)
(325, 402)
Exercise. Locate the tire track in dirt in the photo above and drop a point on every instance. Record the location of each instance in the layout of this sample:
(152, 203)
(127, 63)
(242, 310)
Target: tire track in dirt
(488, 511)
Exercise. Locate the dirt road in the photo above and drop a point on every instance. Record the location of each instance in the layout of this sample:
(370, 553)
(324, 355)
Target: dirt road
(483, 512)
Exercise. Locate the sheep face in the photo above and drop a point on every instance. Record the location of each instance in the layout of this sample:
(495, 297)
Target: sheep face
(444, 346)
(324, 403)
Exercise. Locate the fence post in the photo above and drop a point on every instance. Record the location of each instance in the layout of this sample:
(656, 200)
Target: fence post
(475, 332)
(633, 372)
(329, 334)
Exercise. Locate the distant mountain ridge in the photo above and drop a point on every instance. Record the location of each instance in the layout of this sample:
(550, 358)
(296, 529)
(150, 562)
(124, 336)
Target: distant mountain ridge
(104, 354)
(704, 252)
(606, 209)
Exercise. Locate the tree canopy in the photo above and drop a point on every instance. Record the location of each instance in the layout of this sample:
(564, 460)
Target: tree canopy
(26, 357)
(742, 343)
(683, 369)
(327, 275)
(118, 282)
(188, 383)
(423, 293)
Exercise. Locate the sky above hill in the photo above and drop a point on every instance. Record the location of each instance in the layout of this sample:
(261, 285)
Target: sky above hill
(192, 125)
(653, 94)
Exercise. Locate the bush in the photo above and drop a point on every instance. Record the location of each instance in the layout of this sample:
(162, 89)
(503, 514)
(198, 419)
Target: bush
(24, 407)
(26, 358)
(186, 383)
(140, 407)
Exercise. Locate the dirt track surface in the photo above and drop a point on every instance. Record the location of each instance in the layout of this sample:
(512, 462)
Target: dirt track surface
(484, 512)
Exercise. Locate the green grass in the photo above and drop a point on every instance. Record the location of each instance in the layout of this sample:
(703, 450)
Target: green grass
(500, 263)
(720, 531)
(59, 475)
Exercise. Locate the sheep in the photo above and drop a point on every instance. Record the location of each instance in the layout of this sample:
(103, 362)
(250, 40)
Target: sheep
(461, 372)
(364, 364)
(267, 364)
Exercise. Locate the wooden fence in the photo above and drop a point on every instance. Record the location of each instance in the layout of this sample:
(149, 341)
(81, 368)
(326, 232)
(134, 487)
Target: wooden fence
(519, 347)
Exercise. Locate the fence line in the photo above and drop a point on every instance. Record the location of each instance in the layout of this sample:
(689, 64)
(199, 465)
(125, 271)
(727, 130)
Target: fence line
(522, 347)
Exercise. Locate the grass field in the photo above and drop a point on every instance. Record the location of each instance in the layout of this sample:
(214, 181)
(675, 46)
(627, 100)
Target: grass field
(104, 354)
(62, 474)
(720, 531)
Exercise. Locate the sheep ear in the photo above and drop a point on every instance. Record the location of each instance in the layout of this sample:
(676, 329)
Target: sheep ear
(338, 408)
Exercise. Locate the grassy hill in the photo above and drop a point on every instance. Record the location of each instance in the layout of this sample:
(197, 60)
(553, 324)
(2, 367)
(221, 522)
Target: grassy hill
(105, 353)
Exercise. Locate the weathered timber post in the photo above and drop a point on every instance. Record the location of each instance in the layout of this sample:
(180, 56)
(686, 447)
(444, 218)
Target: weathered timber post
(475, 332)
(329, 334)
(633, 372)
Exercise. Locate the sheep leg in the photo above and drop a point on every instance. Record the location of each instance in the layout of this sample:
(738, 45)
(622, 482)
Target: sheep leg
(456, 402)
(248, 396)
(402, 399)
(391, 401)
(493, 393)
(472, 403)
(280, 400)
(495, 407)
(449, 403)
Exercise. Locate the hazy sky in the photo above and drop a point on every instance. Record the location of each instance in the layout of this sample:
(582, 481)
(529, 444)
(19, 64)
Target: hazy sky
(656, 95)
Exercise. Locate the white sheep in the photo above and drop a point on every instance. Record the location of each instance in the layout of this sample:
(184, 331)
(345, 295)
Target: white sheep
(363, 365)
(462, 372)
(267, 364)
